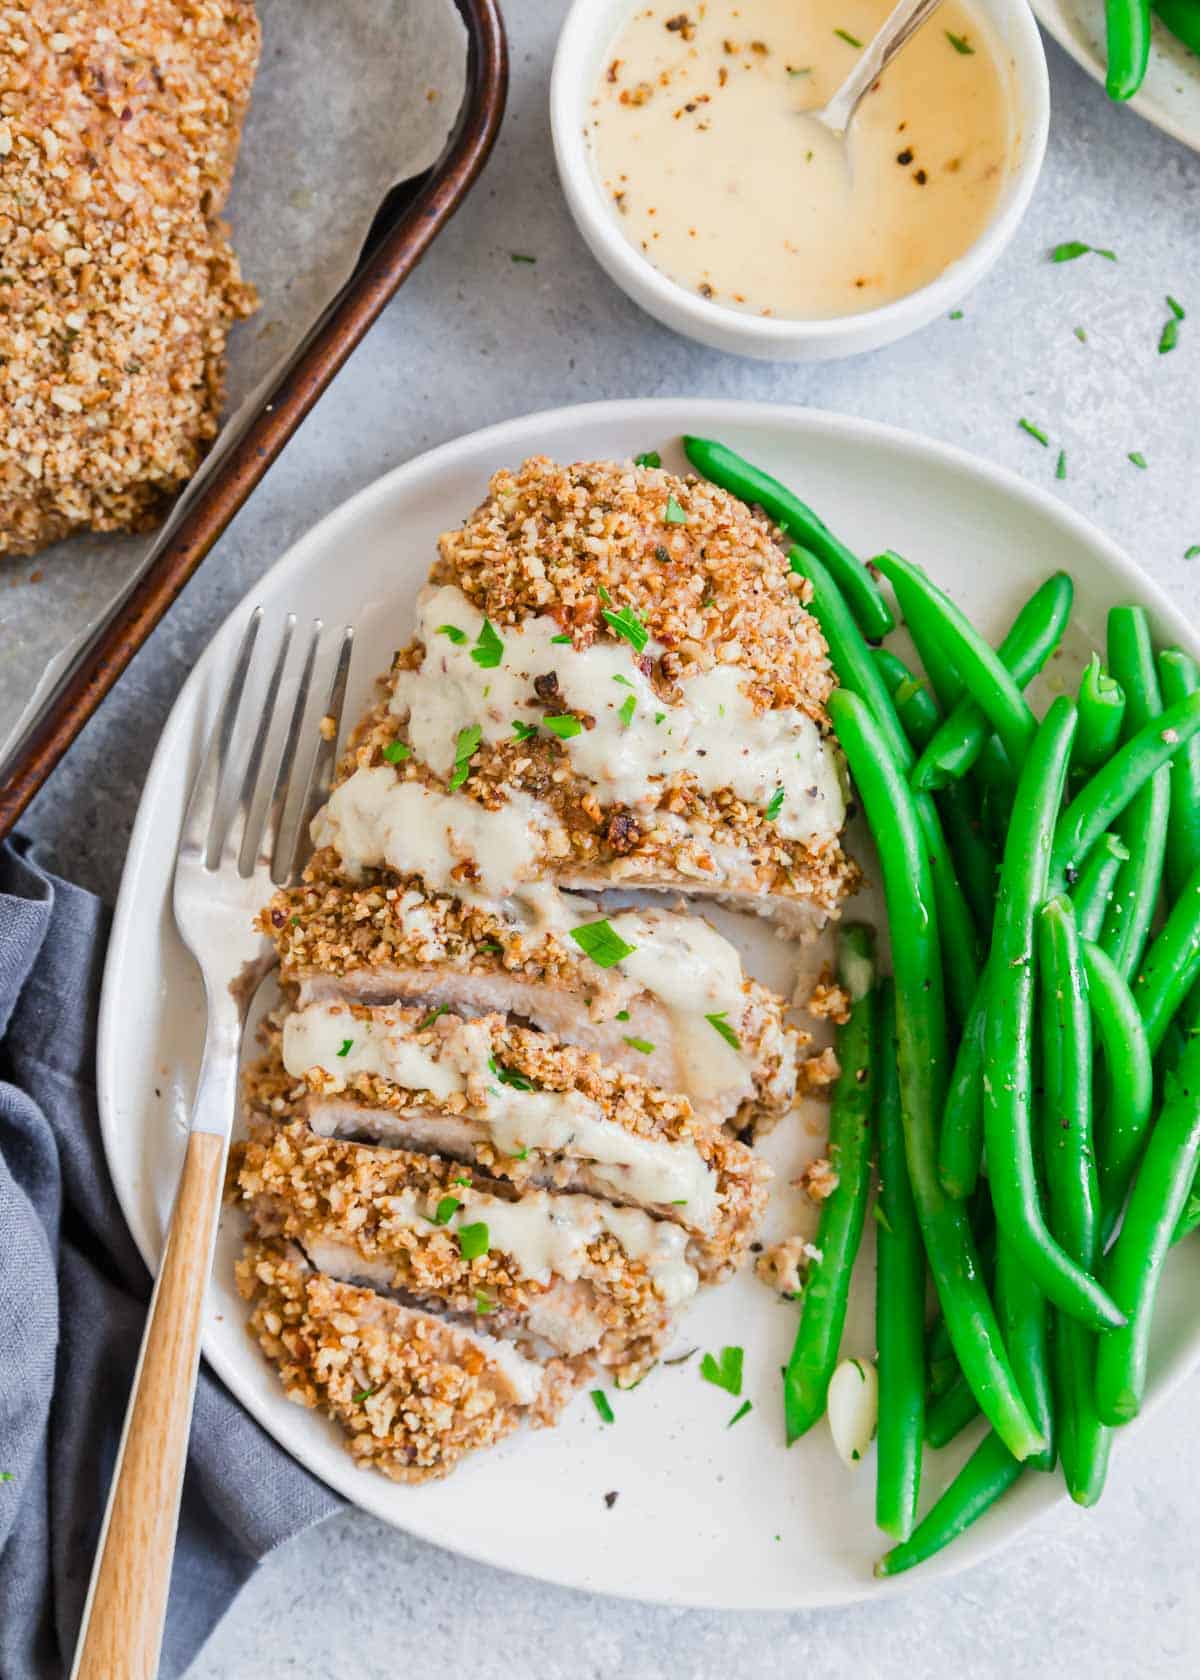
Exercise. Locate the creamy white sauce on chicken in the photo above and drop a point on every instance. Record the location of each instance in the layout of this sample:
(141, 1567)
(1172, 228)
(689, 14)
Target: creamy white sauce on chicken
(697, 136)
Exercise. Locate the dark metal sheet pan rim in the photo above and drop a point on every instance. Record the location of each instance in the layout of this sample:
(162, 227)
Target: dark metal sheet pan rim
(403, 233)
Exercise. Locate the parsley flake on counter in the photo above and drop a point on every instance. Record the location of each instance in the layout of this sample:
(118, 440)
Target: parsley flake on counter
(1169, 337)
(602, 942)
(775, 805)
(1081, 334)
(473, 1240)
(432, 1016)
(651, 458)
(746, 1406)
(524, 731)
(1177, 309)
(457, 636)
(1072, 248)
(624, 622)
(1034, 432)
(726, 1031)
(956, 314)
(446, 1209)
(642, 1044)
(960, 44)
(627, 709)
(466, 744)
(564, 725)
(1192, 552)
(395, 751)
(521, 257)
(600, 1401)
(489, 649)
(347, 1046)
(673, 514)
(724, 1372)
(1060, 470)
(850, 40)
(1138, 459)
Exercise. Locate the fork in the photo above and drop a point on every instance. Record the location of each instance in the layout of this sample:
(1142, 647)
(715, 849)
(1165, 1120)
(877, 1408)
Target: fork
(234, 847)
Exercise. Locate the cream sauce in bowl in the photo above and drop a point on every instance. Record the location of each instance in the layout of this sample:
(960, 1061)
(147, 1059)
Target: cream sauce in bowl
(697, 136)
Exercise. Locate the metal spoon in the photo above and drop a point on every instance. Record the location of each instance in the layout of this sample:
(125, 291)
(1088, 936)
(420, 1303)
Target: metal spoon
(902, 24)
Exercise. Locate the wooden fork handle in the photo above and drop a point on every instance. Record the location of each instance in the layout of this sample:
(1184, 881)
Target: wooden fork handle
(123, 1618)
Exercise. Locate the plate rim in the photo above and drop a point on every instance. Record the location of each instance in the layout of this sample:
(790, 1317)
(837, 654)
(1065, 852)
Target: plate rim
(355, 1486)
(1050, 17)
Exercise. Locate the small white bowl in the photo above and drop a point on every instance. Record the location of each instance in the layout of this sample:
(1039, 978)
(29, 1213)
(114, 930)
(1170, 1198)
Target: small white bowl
(583, 49)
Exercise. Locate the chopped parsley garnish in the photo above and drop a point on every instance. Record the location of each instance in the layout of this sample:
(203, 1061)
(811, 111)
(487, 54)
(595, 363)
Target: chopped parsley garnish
(524, 731)
(724, 1372)
(659, 716)
(473, 1240)
(627, 709)
(432, 1016)
(1034, 432)
(1192, 552)
(1081, 334)
(521, 257)
(566, 637)
(624, 681)
(395, 751)
(1177, 309)
(1072, 248)
(960, 44)
(468, 741)
(564, 726)
(624, 622)
(457, 636)
(1060, 470)
(489, 649)
(446, 1209)
(799, 69)
(651, 458)
(845, 35)
(1138, 459)
(673, 513)
(364, 1394)
(956, 314)
(775, 805)
(507, 1076)
(746, 1406)
(483, 1303)
(604, 595)
(726, 1031)
(347, 1046)
(622, 1014)
(521, 1154)
(1169, 337)
(492, 948)
(602, 942)
(600, 1401)
(642, 1044)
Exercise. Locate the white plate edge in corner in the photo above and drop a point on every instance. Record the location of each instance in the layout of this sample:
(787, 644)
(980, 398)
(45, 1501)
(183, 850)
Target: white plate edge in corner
(572, 1451)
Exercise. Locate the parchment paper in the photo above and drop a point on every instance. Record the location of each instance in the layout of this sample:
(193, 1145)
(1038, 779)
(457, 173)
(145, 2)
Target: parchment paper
(352, 96)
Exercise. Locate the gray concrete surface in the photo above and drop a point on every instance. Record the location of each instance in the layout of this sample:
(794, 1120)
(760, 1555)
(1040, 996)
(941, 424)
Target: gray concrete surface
(474, 338)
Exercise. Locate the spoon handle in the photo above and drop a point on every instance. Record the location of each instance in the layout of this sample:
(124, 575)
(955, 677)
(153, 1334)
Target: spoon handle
(902, 23)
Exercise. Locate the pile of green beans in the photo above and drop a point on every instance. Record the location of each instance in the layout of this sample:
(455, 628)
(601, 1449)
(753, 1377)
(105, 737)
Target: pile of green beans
(1037, 1054)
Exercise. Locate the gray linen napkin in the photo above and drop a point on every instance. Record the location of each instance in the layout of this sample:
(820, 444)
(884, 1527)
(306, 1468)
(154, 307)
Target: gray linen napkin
(73, 1293)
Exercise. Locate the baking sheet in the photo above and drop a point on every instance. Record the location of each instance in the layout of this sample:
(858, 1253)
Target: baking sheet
(352, 96)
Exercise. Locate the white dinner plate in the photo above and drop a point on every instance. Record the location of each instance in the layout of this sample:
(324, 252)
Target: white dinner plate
(1170, 95)
(706, 1514)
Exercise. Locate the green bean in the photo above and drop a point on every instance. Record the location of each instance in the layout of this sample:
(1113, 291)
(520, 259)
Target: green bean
(1007, 1070)
(1128, 35)
(974, 860)
(1182, 18)
(989, 1472)
(950, 1414)
(1092, 891)
(1101, 713)
(1025, 1325)
(960, 1148)
(1143, 825)
(944, 679)
(844, 1210)
(899, 1302)
(1171, 966)
(1135, 1261)
(1122, 1036)
(921, 1036)
(857, 671)
(1035, 633)
(727, 469)
(1073, 1190)
(1107, 795)
(1179, 676)
(983, 674)
(940, 1360)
